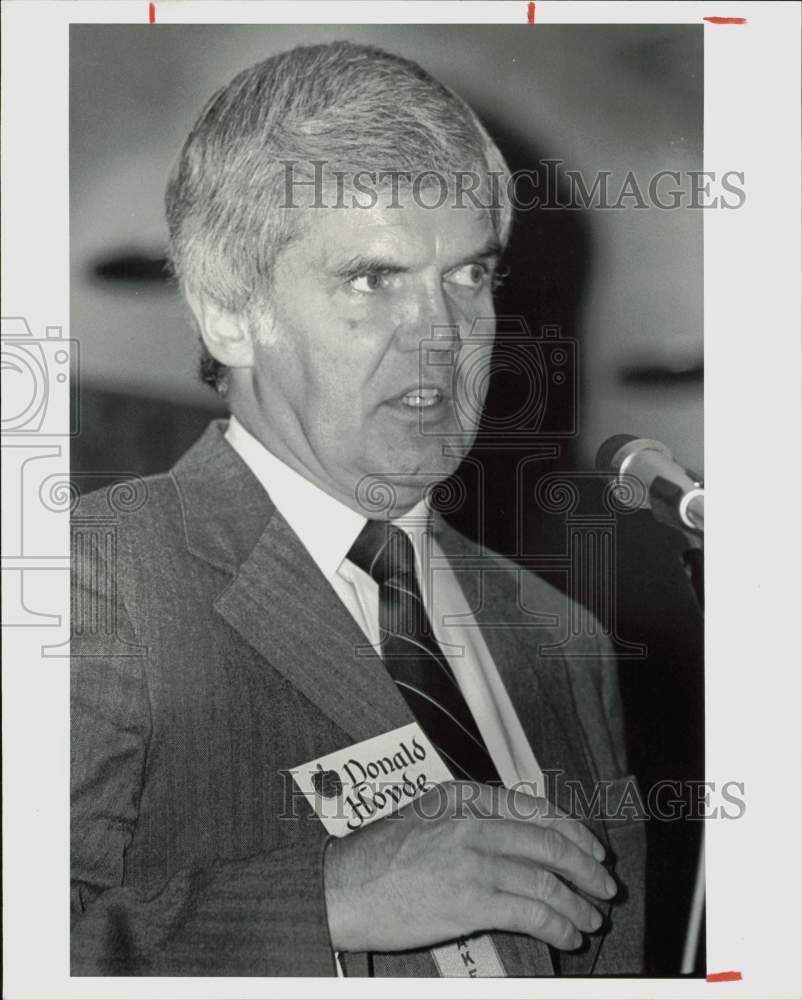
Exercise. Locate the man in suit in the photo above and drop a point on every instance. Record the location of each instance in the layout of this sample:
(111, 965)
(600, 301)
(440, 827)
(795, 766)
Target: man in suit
(287, 590)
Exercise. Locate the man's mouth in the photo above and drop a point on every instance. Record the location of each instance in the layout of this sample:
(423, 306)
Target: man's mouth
(419, 398)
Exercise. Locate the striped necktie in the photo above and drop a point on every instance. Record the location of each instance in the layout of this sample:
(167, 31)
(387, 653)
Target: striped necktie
(414, 659)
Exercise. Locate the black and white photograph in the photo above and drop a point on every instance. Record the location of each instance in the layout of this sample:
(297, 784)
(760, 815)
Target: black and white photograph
(373, 441)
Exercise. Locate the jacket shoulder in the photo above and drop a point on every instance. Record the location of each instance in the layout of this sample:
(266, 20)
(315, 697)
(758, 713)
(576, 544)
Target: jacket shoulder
(136, 504)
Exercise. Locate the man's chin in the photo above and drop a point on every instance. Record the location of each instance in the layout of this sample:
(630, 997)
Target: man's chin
(404, 478)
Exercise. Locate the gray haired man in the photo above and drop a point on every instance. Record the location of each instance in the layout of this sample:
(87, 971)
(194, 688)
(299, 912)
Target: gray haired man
(333, 208)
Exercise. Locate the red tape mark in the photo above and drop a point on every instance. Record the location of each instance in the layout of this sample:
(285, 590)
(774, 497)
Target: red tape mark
(724, 977)
(725, 20)
(151, 13)
(530, 13)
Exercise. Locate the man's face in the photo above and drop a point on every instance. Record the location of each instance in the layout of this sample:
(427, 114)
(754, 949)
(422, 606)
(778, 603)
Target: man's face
(341, 388)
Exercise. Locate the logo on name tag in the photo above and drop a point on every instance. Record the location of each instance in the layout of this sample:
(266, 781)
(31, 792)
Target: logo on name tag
(327, 783)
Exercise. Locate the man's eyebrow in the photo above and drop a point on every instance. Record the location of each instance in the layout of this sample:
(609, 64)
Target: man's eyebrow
(361, 264)
(367, 265)
(490, 249)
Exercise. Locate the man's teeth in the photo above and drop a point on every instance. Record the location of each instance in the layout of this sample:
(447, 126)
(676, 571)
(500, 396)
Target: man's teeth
(422, 397)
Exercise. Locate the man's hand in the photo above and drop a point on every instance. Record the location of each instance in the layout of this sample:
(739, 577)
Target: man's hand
(411, 881)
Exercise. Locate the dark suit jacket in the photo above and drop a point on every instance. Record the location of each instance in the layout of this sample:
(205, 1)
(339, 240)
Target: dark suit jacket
(210, 656)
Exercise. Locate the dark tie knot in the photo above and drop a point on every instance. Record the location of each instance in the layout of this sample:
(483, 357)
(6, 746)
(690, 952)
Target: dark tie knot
(383, 551)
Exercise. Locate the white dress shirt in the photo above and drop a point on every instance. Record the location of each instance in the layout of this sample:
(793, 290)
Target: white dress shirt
(328, 529)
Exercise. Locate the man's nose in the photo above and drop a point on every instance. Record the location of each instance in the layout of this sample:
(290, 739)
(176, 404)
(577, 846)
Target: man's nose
(433, 317)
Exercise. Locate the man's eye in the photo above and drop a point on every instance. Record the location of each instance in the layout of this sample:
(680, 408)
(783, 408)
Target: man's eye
(469, 275)
(372, 281)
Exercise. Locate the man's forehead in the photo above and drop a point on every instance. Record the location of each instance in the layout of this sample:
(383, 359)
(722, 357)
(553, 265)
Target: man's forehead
(409, 230)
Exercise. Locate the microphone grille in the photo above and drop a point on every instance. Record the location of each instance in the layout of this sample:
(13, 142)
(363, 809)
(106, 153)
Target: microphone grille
(606, 453)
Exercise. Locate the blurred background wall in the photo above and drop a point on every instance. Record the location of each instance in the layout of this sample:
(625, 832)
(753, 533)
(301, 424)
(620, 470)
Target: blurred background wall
(625, 284)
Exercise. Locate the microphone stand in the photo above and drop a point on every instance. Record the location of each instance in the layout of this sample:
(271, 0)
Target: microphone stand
(693, 562)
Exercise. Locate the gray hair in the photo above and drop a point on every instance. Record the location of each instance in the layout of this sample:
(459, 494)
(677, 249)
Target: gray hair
(354, 107)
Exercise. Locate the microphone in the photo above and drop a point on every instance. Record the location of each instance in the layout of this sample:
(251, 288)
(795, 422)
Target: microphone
(674, 495)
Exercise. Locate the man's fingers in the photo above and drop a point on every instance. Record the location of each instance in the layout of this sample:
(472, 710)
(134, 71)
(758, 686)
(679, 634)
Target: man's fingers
(537, 883)
(549, 848)
(575, 831)
(519, 805)
(510, 912)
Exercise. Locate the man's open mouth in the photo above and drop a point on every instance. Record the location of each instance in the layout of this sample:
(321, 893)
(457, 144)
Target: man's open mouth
(420, 398)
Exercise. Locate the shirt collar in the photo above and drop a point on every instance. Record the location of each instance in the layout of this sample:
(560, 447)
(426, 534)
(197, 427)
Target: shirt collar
(326, 527)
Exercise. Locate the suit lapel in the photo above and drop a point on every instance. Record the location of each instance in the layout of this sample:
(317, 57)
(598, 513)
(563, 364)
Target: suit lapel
(539, 686)
(284, 607)
(277, 599)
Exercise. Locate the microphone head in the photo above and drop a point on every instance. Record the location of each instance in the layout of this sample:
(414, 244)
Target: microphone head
(606, 453)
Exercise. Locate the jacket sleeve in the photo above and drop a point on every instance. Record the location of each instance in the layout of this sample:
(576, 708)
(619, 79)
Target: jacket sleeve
(260, 916)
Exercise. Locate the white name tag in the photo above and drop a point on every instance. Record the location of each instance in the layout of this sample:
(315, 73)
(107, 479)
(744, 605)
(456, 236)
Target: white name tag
(353, 787)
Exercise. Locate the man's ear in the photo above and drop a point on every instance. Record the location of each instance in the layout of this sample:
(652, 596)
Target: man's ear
(227, 335)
